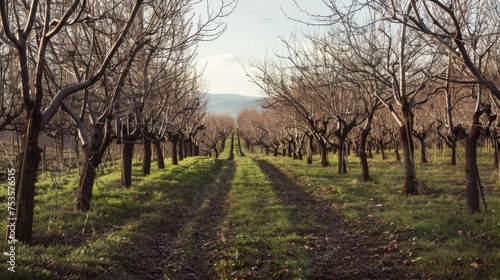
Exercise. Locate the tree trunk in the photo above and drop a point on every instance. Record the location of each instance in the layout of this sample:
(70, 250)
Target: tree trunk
(196, 149)
(175, 160)
(25, 181)
(294, 150)
(215, 152)
(127, 156)
(396, 150)
(471, 170)
(159, 154)
(363, 157)
(99, 143)
(146, 155)
(421, 140)
(289, 149)
(185, 143)
(495, 143)
(410, 185)
(324, 153)
(453, 149)
(61, 150)
(223, 144)
(26, 196)
(341, 151)
(191, 148)
(86, 185)
(370, 148)
(309, 150)
(180, 145)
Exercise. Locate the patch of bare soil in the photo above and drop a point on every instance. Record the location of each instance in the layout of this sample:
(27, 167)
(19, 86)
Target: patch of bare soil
(340, 249)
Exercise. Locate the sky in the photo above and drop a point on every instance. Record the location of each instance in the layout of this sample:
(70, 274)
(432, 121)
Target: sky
(252, 33)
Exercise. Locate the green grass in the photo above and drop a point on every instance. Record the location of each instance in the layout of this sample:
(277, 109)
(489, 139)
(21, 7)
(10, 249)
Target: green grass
(73, 245)
(258, 233)
(452, 243)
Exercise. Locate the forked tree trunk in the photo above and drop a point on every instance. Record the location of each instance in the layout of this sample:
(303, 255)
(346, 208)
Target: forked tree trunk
(99, 143)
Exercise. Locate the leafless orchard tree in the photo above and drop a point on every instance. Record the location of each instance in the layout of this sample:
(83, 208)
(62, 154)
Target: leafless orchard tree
(467, 31)
(29, 31)
(62, 50)
(288, 87)
(218, 128)
(262, 127)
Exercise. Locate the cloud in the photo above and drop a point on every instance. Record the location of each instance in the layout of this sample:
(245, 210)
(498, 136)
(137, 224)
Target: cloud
(272, 20)
(225, 74)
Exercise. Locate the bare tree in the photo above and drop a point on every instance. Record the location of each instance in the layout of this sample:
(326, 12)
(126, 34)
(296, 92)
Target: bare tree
(48, 20)
(467, 30)
(218, 128)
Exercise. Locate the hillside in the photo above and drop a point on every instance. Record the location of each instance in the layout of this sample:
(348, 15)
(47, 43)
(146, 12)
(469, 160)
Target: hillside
(230, 103)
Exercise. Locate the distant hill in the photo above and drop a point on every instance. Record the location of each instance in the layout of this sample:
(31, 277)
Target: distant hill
(230, 103)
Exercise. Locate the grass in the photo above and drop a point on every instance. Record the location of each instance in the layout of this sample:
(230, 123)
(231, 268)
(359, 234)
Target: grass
(453, 244)
(73, 245)
(258, 230)
(231, 205)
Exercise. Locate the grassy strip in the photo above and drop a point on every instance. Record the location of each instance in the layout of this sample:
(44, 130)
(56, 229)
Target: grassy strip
(73, 245)
(454, 244)
(258, 232)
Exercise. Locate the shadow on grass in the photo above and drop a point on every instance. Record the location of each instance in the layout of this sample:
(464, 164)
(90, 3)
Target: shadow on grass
(231, 151)
(337, 252)
(242, 154)
(180, 244)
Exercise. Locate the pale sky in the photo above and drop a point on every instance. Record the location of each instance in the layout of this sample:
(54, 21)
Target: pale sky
(252, 33)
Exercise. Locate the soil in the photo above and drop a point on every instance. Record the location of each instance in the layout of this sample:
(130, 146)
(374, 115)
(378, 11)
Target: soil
(340, 249)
